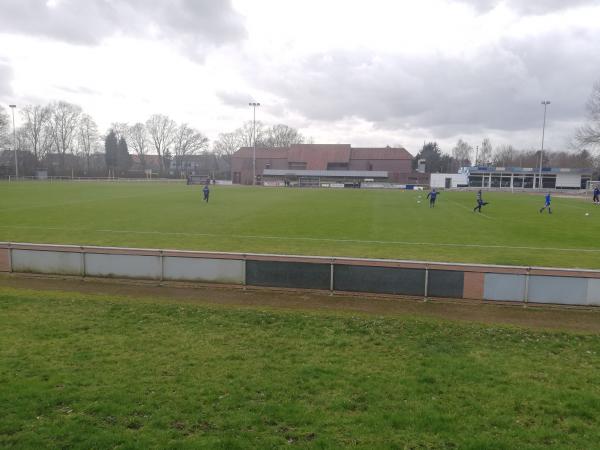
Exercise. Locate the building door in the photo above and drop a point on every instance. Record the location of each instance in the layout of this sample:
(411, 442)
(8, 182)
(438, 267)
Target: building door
(448, 183)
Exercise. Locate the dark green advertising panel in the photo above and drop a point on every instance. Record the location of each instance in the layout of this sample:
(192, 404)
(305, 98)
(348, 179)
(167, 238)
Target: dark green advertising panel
(445, 283)
(287, 274)
(383, 280)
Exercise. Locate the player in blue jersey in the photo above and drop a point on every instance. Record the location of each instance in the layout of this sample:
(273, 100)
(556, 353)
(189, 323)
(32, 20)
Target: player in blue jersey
(547, 204)
(432, 196)
(596, 195)
(206, 192)
(480, 201)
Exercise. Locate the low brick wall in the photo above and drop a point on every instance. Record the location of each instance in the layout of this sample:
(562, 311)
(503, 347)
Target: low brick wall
(414, 278)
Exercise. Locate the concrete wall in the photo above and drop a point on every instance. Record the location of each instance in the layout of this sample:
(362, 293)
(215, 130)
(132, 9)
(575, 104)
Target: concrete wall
(210, 270)
(49, 262)
(504, 287)
(438, 180)
(123, 266)
(413, 278)
(568, 180)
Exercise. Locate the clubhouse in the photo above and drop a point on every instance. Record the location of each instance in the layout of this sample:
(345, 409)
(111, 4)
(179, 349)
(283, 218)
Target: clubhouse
(324, 164)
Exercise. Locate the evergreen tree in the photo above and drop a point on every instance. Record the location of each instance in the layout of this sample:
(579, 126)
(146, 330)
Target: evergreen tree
(111, 149)
(167, 157)
(123, 157)
(432, 155)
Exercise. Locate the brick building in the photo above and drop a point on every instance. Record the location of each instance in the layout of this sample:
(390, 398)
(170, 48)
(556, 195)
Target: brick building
(328, 160)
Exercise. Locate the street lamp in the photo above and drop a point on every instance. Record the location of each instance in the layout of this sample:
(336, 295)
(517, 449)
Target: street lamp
(12, 107)
(545, 103)
(254, 105)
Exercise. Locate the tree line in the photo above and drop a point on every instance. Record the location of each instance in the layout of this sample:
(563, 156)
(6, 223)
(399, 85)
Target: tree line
(463, 155)
(62, 138)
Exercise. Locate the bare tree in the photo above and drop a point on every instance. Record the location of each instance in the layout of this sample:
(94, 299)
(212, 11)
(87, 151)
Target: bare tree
(246, 134)
(138, 141)
(227, 145)
(121, 130)
(462, 153)
(187, 142)
(162, 131)
(22, 141)
(87, 138)
(4, 126)
(35, 129)
(62, 125)
(589, 134)
(282, 136)
(506, 155)
(485, 152)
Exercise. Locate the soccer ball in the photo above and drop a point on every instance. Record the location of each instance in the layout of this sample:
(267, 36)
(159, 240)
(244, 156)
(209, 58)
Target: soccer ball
(587, 214)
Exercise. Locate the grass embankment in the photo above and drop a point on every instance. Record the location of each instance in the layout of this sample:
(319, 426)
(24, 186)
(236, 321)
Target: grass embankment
(92, 371)
(329, 222)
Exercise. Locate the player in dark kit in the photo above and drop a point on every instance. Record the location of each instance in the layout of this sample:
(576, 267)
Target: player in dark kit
(596, 195)
(206, 192)
(432, 196)
(480, 202)
(547, 204)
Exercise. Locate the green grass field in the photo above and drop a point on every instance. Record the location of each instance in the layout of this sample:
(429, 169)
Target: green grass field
(92, 371)
(360, 223)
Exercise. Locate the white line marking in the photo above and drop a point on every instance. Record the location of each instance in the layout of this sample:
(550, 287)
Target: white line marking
(312, 239)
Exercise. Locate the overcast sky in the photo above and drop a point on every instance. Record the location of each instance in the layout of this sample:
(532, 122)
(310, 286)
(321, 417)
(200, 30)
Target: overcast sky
(367, 73)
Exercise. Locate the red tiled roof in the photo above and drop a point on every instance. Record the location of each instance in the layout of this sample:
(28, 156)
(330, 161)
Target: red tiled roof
(317, 156)
(380, 153)
(272, 153)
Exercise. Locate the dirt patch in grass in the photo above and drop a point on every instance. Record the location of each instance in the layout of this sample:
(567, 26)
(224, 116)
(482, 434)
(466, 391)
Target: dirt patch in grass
(584, 320)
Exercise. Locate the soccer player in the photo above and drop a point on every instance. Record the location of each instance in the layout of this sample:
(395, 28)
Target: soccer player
(547, 204)
(480, 202)
(206, 192)
(596, 195)
(432, 196)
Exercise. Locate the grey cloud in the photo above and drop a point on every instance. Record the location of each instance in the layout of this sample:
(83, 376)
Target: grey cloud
(6, 75)
(528, 7)
(195, 24)
(234, 98)
(499, 89)
(78, 90)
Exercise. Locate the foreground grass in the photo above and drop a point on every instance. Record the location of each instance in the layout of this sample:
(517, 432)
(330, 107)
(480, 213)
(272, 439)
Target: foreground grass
(329, 222)
(97, 372)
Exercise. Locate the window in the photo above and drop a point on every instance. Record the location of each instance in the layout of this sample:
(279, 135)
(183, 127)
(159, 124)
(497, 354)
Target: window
(337, 166)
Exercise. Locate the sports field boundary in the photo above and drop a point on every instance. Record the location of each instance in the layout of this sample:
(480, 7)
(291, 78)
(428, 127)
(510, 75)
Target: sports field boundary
(424, 279)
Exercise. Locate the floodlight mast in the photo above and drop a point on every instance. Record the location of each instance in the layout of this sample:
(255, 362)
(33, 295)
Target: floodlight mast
(12, 107)
(254, 105)
(545, 103)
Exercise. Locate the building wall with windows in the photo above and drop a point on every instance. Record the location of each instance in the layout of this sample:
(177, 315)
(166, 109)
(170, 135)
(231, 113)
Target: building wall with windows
(528, 178)
(397, 162)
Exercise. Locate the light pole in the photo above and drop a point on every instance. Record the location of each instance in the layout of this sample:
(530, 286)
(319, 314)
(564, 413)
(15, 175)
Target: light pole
(12, 107)
(545, 103)
(254, 105)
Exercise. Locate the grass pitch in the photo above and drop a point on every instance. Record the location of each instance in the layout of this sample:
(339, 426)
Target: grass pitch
(359, 223)
(92, 371)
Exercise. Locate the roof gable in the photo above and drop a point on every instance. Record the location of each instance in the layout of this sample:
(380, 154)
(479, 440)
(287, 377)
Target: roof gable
(317, 156)
(381, 153)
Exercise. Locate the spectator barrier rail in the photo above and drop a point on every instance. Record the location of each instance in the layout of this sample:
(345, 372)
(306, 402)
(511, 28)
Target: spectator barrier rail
(378, 276)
